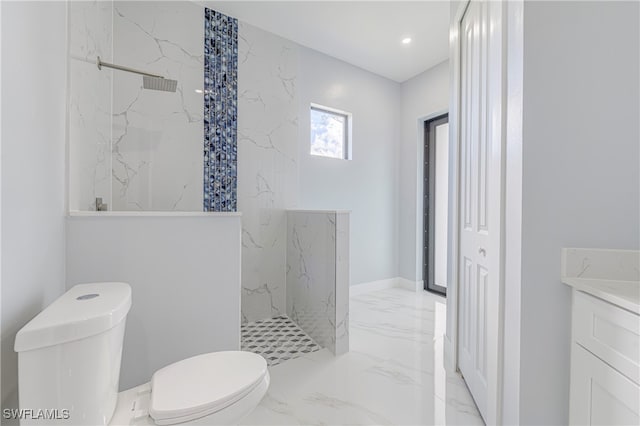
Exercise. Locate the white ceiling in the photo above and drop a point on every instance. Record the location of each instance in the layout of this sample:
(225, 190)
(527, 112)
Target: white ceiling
(367, 34)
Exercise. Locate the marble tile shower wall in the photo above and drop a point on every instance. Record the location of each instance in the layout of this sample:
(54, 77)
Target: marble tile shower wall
(318, 276)
(90, 32)
(142, 149)
(343, 282)
(267, 159)
(158, 136)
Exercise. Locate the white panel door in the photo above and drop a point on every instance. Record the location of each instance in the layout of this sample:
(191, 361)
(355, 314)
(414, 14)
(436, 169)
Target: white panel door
(479, 260)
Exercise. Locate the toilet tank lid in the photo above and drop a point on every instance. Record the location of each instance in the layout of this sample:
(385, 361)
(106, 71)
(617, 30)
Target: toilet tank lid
(83, 311)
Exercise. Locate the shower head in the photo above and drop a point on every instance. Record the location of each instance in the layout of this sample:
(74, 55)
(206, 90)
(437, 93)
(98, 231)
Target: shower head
(149, 81)
(159, 83)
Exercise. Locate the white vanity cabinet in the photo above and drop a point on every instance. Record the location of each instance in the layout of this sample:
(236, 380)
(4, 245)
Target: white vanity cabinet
(605, 335)
(605, 368)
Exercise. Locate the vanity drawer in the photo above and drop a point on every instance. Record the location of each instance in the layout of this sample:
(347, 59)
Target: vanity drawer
(599, 394)
(609, 332)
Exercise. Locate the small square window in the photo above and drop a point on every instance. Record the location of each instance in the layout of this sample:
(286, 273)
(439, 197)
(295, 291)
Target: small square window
(330, 132)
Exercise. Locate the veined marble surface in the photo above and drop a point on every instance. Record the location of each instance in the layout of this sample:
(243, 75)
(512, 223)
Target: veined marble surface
(343, 281)
(137, 149)
(267, 165)
(157, 139)
(90, 36)
(607, 264)
(393, 375)
(318, 276)
(611, 275)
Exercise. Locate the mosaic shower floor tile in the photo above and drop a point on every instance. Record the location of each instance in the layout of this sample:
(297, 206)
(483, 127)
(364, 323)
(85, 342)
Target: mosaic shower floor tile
(277, 339)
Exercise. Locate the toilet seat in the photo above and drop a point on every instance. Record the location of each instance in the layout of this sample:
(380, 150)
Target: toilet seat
(202, 385)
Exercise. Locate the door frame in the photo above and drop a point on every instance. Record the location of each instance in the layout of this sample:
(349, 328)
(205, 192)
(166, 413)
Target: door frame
(496, 369)
(428, 256)
(419, 193)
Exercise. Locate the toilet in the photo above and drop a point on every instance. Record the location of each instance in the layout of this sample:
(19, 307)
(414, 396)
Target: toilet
(69, 367)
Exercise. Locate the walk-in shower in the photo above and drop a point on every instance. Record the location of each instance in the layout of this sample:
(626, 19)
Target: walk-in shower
(136, 141)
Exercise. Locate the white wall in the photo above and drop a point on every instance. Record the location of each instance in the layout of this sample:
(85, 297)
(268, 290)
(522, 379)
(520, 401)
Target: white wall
(581, 179)
(184, 273)
(278, 80)
(33, 176)
(425, 95)
(367, 184)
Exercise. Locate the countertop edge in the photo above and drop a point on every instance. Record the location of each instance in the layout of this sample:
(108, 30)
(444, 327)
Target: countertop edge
(590, 286)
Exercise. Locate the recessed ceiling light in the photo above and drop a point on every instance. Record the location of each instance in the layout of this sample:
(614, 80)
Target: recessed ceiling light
(406, 40)
(198, 90)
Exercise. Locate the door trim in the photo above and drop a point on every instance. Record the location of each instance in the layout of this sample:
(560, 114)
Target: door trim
(419, 193)
(495, 377)
(428, 228)
(451, 336)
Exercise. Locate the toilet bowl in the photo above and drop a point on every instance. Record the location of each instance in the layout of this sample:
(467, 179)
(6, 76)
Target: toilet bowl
(69, 363)
(182, 393)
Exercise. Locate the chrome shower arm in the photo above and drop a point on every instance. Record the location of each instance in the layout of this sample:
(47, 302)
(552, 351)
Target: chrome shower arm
(121, 68)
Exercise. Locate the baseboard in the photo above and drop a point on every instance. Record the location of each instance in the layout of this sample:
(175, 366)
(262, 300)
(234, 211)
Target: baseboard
(396, 282)
(416, 286)
(372, 286)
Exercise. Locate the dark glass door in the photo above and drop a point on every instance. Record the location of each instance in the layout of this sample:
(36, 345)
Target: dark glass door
(436, 172)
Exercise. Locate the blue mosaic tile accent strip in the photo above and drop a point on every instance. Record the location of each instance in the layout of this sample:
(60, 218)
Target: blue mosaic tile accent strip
(220, 112)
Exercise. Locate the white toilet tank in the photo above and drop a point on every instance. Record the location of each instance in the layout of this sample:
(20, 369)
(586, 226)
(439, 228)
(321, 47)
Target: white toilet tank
(69, 356)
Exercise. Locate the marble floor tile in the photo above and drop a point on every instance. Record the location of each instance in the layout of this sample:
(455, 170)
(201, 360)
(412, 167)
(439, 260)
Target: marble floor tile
(393, 374)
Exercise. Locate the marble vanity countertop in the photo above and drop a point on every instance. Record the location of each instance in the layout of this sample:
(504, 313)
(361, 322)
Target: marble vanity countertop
(611, 275)
(625, 294)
